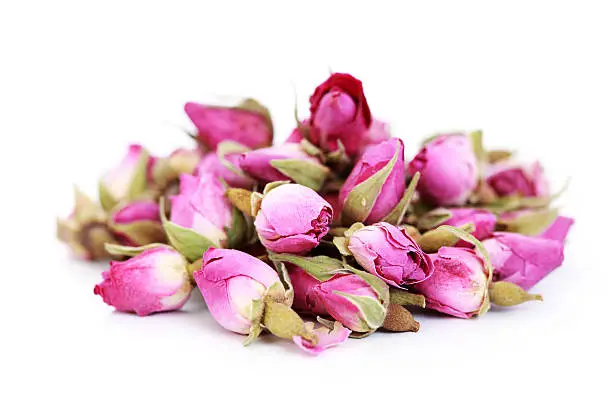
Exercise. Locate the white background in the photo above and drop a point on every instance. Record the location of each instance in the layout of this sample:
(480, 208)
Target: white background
(80, 80)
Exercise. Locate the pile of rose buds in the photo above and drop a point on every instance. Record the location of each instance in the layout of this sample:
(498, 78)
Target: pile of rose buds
(329, 235)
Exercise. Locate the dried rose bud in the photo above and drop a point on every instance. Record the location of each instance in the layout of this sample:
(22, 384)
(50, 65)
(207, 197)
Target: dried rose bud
(391, 254)
(293, 219)
(483, 220)
(345, 296)
(86, 230)
(458, 285)
(154, 281)
(449, 171)
(137, 223)
(339, 112)
(248, 124)
(376, 183)
(508, 178)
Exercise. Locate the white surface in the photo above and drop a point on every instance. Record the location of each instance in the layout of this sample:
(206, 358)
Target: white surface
(79, 80)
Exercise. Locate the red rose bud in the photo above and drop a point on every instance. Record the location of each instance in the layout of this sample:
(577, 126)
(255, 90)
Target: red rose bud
(138, 223)
(376, 183)
(449, 171)
(458, 285)
(391, 254)
(248, 124)
(339, 112)
(508, 178)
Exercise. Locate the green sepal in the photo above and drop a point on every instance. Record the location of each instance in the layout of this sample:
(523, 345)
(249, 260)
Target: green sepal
(372, 311)
(532, 223)
(272, 185)
(320, 267)
(479, 151)
(107, 201)
(237, 232)
(397, 215)
(434, 218)
(304, 172)
(433, 240)
(257, 311)
(515, 202)
(185, 240)
(405, 298)
(341, 243)
(310, 148)
(121, 250)
(284, 322)
(362, 197)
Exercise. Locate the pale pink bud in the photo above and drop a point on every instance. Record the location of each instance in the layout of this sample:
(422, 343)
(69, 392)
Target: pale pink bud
(448, 168)
(230, 281)
(293, 219)
(507, 178)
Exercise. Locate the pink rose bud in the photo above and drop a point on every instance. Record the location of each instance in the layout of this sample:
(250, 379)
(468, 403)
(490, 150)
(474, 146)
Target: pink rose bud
(449, 171)
(261, 165)
(249, 127)
(138, 223)
(293, 219)
(128, 180)
(521, 259)
(458, 285)
(344, 297)
(203, 207)
(339, 112)
(507, 179)
(230, 281)
(391, 254)
(211, 164)
(154, 281)
(386, 194)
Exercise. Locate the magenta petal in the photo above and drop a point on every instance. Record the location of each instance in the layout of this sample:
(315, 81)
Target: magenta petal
(326, 339)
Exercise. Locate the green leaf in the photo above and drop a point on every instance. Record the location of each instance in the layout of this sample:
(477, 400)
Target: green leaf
(107, 200)
(396, 216)
(185, 240)
(362, 197)
(433, 219)
(372, 311)
(304, 172)
(272, 185)
(121, 250)
(321, 267)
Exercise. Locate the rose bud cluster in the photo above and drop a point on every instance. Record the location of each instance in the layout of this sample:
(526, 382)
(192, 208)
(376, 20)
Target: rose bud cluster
(341, 230)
